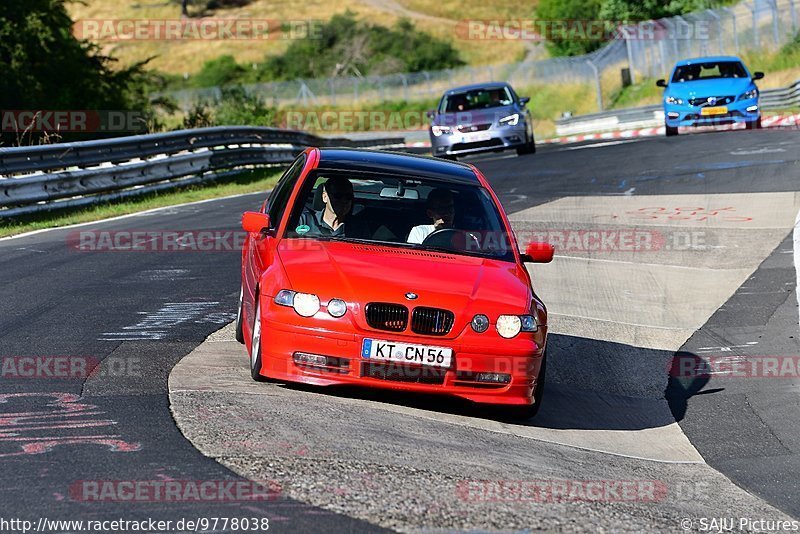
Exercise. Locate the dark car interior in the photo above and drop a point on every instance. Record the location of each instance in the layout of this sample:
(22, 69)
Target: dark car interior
(385, 211)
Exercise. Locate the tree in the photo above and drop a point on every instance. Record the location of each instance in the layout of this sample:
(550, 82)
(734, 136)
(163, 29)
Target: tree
(43, 66)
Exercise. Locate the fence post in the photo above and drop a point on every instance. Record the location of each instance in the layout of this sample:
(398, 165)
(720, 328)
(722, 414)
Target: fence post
(793, 16)
(756, 39)
(405, 87)
(775, 32)
(732, 13)
(599, 85)
(719, 30)
(630, 59)
(333, 91)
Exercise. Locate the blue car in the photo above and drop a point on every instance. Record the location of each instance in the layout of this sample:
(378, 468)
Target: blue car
(709, 91)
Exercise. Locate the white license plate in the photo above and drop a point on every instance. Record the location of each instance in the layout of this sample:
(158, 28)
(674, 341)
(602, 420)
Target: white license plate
(392, 351)
(474, 137)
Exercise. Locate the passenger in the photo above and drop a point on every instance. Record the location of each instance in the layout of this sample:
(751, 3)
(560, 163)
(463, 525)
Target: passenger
(440, 209)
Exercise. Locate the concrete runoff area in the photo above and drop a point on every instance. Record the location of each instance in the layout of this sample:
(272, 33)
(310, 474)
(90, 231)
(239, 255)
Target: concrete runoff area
(412, 464)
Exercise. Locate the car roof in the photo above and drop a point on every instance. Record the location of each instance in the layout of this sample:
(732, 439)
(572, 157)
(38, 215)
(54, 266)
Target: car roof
(354, 159)
(486, 85)
(692, 61)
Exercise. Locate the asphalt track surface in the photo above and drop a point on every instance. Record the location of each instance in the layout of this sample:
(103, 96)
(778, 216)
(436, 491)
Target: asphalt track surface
(150, 309)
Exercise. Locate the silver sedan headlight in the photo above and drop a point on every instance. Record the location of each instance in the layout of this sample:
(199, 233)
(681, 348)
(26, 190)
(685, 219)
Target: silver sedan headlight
(511, 120)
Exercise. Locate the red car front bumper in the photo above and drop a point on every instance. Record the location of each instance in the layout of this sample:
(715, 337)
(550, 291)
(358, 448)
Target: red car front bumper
(520, 358)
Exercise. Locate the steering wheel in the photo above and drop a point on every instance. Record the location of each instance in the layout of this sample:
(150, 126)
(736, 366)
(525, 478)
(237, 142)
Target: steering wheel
(452, 238)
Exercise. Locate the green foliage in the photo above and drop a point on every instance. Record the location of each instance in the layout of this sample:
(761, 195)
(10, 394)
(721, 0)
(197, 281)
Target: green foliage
(43, 66)
(236, 107)
(613, 11)
(220, 71)
(569, 10)
(788, 57)
(634, 10)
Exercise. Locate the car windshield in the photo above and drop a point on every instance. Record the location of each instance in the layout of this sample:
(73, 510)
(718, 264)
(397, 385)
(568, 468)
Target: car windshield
(709, 71)
(399, 211)
(476, 99)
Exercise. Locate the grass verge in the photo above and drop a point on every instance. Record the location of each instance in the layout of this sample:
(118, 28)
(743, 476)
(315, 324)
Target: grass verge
(246, 182)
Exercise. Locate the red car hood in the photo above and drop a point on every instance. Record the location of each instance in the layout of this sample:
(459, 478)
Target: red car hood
(367, 273)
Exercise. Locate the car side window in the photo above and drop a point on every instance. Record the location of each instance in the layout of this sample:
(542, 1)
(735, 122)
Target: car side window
(280, 195)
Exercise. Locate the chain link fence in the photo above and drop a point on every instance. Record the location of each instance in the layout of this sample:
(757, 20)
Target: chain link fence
(750, 26)
(648, 49)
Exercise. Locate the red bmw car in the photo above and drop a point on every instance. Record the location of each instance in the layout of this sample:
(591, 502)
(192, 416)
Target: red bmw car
(389, 270)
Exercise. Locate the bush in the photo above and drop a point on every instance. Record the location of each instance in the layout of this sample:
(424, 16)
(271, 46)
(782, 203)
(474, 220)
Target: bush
(348, 46)
(220, 71)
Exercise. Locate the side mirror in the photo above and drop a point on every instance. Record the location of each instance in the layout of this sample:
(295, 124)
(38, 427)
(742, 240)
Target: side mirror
(661, 83)
(430, 113)
(538, 253)
(255, 221)
(758, 75)
(523, 101)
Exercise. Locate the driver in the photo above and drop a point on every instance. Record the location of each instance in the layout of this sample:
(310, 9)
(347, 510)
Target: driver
(440, 209)
(335, 218)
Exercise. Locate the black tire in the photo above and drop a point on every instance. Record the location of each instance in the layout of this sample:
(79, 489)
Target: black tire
(670, 130)
(528, 148)
(240, 318)
(753, 125)
(255, 345)
(523, 413)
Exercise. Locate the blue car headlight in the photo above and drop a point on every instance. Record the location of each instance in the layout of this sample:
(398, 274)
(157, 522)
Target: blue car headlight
(673, 100)
(752, 93)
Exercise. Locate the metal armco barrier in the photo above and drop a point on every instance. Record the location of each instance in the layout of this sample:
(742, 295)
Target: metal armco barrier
(653, 116)
(42, 178)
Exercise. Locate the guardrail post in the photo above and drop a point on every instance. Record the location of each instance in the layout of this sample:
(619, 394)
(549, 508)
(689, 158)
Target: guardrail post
(599, 85)
(793, 16)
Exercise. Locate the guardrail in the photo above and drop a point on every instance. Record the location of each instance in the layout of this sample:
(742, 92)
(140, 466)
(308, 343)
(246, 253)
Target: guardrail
(68, 175)
(653, 116)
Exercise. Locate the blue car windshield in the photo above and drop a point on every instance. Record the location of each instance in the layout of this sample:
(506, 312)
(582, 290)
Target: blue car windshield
(709, 71)
(476, 99)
